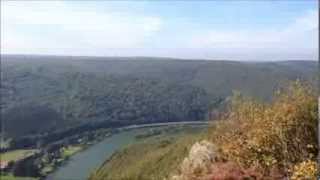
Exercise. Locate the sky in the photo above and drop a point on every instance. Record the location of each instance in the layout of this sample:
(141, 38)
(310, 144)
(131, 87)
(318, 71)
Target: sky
(224, 30)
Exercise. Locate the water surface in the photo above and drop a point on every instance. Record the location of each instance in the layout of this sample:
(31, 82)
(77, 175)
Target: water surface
(79, 166)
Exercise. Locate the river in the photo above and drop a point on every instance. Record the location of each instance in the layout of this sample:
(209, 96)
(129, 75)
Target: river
(79, 166)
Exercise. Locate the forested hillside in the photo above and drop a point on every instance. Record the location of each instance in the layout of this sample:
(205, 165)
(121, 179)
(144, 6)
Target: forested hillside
(107, 90)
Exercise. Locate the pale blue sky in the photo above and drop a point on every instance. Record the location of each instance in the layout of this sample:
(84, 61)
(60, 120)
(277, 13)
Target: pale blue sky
(216, 29)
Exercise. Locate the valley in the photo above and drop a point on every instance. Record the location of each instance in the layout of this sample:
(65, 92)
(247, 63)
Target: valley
(70, 107)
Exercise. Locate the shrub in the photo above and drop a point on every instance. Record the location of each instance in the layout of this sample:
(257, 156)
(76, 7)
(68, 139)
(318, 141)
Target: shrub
(279, 134)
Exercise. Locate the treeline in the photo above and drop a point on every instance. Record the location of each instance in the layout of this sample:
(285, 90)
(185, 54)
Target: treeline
(84, 102)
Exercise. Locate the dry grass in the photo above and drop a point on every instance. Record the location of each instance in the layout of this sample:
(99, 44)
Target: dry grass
(279, 134)
(153, 159)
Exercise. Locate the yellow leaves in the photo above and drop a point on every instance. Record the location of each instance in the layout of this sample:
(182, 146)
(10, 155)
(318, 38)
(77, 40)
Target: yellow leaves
(280, 133)
(305, 170)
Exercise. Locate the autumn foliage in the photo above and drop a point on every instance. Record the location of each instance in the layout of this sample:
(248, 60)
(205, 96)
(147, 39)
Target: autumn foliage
(280, 134)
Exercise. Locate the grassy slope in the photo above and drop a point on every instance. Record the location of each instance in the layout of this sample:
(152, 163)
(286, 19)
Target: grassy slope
(156, 160)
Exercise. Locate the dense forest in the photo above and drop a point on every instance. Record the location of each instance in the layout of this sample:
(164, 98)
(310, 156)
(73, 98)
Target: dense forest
(80, 93)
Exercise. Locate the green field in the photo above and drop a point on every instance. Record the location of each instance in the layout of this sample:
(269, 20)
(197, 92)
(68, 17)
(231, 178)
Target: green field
(16, 154)
(71, 150)
(10, 177)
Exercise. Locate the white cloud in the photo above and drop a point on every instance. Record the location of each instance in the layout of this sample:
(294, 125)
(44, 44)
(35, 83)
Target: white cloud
(298, 36)
(60, 26)
(56, 27)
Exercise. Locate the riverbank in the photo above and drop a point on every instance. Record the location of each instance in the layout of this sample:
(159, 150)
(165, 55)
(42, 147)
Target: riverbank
(54, 156)
(87, 161)
(38, 163)
(154, 156)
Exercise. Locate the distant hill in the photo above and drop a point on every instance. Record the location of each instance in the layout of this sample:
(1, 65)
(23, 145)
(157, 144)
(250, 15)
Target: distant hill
(139, 89)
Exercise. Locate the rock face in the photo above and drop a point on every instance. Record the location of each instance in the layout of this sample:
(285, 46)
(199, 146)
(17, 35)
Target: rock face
(197, 164)
(202, 163)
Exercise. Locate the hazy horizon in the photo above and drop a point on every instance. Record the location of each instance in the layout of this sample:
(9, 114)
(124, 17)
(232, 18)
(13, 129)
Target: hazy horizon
(160, 58)
(237, 31)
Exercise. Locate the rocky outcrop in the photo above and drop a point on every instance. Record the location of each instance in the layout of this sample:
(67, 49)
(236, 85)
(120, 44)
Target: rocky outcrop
(197, 164)
(202, 163)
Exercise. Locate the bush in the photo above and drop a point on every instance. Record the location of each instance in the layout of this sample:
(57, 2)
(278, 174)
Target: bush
(279, 134)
